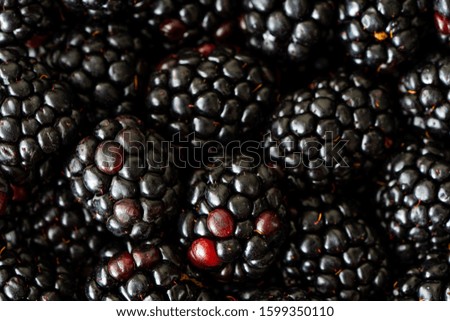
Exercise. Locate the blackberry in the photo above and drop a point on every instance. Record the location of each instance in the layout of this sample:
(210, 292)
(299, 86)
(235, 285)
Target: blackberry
(144, 272)
(102, 62)
(124, 176)
(20, 20)
(383, 33)
(413, 199)
(423, 96)
(288, 29)
(172, 23)
(61, 226)
(442, 19)
(427, 281)
(29, 275)
(235, 221)
(38, 118)
(216, 94)
(333, 132)
(334, 251)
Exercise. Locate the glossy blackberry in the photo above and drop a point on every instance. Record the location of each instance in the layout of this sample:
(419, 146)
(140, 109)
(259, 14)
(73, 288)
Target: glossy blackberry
(442, 19)
(146, 272)
(413, 199)
(28, 275)
(20, 20)
(209, 94)
(288, 29)
(172, 23)
(102, 62)
(334, 251)
(60, 225)
(383, 33)
(38, 118)
(333, 132)
(236, 221)
(424, 96)
(427, 281)
(124, 176)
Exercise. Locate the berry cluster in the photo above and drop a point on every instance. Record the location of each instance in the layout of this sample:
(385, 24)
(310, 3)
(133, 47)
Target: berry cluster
(226, 149)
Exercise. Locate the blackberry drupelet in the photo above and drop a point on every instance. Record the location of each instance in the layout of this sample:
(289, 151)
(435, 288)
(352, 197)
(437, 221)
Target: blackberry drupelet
(104, 64)
(288, 29)
(38, 118)
(424, 96)
(171, 23)
(383, 33)
(150, 271)
(333, 251)
(236, 220)
(216, 94)
(29, 275)
(413, 200)
(125, 178)
(427, 281)
(333, 132)
(442, 19)
(20, 20)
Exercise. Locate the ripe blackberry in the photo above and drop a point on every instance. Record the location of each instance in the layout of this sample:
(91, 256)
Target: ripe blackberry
(20, 20)
(103, 64)
(413, 199)
(172, 23)
(383, 33)
(423, 99)
(29, 275)
(288, 29)
(334, 131)
(145, 272)
(334, 251)
(442, 19)
(38, 118)
(61, 226)
(123, 175)
(216, 94)
(235, 223)
(427, 281)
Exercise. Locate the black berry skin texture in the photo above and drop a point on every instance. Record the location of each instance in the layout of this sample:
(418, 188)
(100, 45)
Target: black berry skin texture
(146, 272)
(39, 118)
(235, 222)
(21, 19)
(424, 96)
(289, 29)
(103, 63)
(413, 200)
(333, 132)
(382, 34)
(215, 94)
(27, 275)
(426, 281)
(5, 194)
(124, 177)
(334, 252)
